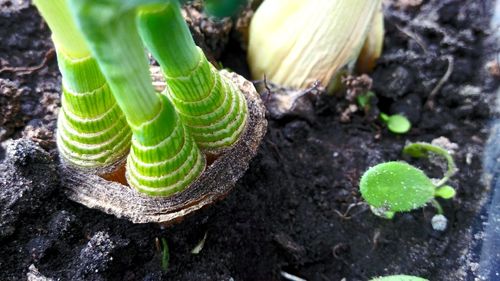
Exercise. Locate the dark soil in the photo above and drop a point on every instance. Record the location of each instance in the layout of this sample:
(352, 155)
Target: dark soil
(298, 209)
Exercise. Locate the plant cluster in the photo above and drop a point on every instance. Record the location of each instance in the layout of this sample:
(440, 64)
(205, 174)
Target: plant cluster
(396, 186)
(396, 123)
(110, 109)
(111, 113)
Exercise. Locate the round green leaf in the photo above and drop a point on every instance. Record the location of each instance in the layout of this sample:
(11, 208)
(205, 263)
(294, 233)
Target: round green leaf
(398, 124)
(396, 187)
(445, 192)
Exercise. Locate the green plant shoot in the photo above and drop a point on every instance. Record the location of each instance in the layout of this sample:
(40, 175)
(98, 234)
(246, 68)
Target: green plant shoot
(212, 108)
(92, 130)
(396, 123)
(364, 99)
(392, 187)
(165, 255)
(164, 158)
(422, 150)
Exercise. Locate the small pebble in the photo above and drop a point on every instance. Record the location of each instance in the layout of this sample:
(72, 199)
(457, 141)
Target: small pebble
(439, 222)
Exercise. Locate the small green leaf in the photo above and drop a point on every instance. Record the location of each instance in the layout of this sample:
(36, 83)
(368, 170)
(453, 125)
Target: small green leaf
(398, 124)
(165, 257)
(445, 192)
(396, 187)
(399, 278)
(384, 117)
(364, 99)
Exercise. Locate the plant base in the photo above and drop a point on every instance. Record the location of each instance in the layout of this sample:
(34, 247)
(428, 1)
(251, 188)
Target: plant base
(214, 184)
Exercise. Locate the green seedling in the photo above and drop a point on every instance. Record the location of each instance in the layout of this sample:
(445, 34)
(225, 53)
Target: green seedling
(164, 158)
(399, 278)
(396, 123)
(110, 110)
(165, 255)
(213, 110)
(92, 130)
(364, 99)
(397, 186)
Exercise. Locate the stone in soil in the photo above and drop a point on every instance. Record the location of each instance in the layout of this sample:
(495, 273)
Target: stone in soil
(96, 256)
(27, 177)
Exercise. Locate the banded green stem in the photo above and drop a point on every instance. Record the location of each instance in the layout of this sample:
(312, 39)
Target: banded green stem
(164, 158)
(212, 108)
(92, 130)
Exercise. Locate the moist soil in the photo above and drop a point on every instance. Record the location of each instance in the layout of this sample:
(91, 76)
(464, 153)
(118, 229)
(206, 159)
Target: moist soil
(297, 211)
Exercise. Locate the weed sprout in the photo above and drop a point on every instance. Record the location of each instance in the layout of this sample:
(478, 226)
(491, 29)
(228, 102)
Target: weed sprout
(397, 186)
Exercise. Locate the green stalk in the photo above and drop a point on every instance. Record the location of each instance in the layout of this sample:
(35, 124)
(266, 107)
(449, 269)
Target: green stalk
(422, 149)
(92, 130)
(65, 35)
(212, 108)
(164, 158)
(168, 37)
(118, 49)
(438, 207)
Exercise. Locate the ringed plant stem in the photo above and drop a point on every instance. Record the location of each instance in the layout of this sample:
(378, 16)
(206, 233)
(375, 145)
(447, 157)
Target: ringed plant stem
(118, 49)
(164, 158)
(65, 35)
(92, 130)
(212, 108)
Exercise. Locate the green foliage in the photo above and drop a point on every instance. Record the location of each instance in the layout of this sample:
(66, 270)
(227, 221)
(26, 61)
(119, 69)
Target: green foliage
(92, 130)
(445, 192)
(212, 108)
(364, 99)
(396, 123)
(398, 187)
(65, 34)
(399, 278)
(163, 158)
(423, 149)
(165, 256)
(110, 109)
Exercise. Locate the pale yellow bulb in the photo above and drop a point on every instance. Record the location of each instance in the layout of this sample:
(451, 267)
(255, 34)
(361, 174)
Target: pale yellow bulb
(296, 42)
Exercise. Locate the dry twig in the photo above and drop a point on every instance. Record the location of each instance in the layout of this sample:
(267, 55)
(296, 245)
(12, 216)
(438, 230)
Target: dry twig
(22, 70)
(430, 100)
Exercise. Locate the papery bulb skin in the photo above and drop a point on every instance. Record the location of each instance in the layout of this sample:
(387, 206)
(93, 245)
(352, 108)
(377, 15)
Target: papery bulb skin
(295, 43)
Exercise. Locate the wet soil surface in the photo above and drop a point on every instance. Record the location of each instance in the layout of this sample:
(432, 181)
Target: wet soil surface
(297, 210)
